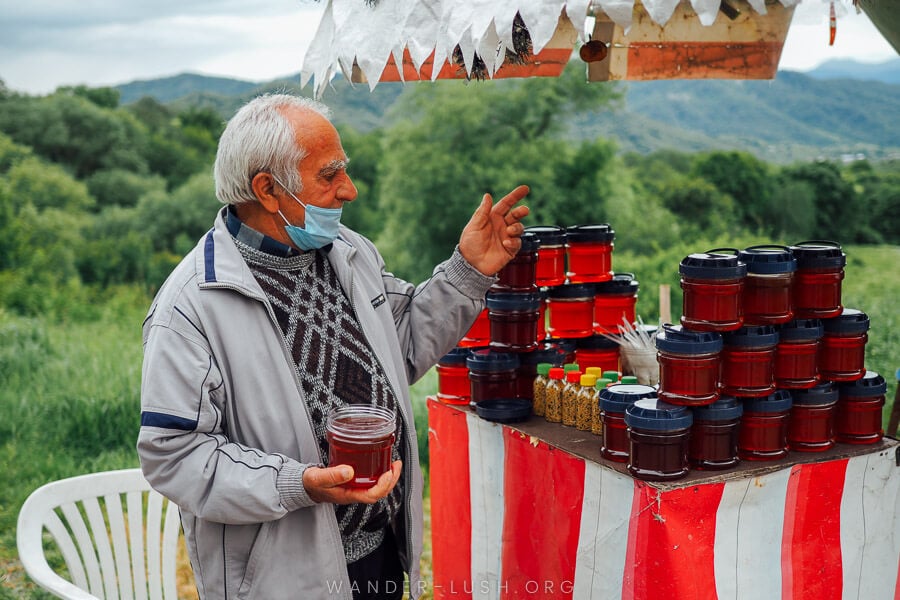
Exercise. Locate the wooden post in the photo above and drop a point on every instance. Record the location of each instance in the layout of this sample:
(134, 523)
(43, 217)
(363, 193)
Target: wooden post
(665, 303)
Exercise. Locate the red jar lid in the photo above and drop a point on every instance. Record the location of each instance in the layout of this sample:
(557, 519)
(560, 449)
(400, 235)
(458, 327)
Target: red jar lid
(871, 384)
(574, 376)
(849, 322)
(719, 263)
(819, 254)
(584, 234)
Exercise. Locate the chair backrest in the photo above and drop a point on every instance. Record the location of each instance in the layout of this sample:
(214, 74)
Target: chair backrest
(109, 552)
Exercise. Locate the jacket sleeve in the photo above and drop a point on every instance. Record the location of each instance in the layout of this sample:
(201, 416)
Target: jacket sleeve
(184, 451)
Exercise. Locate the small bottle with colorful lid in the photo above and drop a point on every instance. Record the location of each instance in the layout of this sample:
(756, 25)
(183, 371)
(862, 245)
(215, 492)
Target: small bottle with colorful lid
(713, 284)
(539, 389)
(689, 363)
(597, 351)
(550, 268)
(453, 377)
(492, 375)
(859, 409)
(748, 361)
(817, 281)
(589, 253)
(528, 363)
(519, 274)
(571, 311)
(596, 421)
(842, 349)
(586, 399)
(513, 321)
(811, 426)
(768, 287)
(570, 397)
(614, 401)
(614, 302)
(658, 435)
(554, 394)
(764, 426)
(714, 434)
(797, 354)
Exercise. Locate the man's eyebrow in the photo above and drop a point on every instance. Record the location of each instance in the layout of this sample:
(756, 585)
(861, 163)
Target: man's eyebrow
(334, 167)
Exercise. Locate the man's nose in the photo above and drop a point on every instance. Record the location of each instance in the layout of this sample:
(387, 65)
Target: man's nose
(347, 190)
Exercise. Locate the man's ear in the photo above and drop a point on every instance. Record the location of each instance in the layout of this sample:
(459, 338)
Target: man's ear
(266, 191)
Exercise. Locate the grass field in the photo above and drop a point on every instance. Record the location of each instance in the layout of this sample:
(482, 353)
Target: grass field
(69, 391)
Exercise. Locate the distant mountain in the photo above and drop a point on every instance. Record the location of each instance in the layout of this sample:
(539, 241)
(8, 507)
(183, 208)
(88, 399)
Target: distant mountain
(168, 89)
(885, 72)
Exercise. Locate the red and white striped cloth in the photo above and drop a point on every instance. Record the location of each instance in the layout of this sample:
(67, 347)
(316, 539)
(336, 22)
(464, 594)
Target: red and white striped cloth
(513, 517)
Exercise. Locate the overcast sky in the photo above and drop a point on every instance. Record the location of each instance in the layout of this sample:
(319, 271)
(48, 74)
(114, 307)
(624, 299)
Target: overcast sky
(48, 43)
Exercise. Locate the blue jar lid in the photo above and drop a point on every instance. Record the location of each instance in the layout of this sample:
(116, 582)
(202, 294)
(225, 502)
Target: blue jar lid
(548, 235)
(718, 263)
(777, 401)
(821, 394)
(596, 342)
(457, 356)
(726, 408)
(572, 290)
(545, 353)
(872, 384)
(768, 259)
(656, 415)
(511, 301)
(850, 321)
(581, 234)
(620, 284)
(530, 242)
(751, 336)
(801, 330)
(488, 361)
(617, 397)
(677, 339)
(819, 254)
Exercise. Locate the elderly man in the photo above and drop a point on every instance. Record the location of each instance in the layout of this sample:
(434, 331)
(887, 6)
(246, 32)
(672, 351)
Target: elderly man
(279, 315)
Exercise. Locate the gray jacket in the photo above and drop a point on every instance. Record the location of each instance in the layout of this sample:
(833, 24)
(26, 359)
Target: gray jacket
(225, 433)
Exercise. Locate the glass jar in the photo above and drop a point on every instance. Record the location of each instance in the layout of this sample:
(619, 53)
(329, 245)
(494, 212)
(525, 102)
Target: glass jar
(362, 436)
(811, 426)
(658, 438)
(554, 395)
(479, 334)
(513, 321)
(518, 275)
(528, 363)
(585, 401)
(542, 316)
(614, 401)
(453, 377)
(688, 365)
(817, 281)
(614, 303)
(714, 434)
(842, 349)
(570, 397)
(797, 354)
(550, 268)
(492, 375)
(597, 351)
(571, 310)
(748, 361)
(764, 426)
(713, 285)
(596, 421)
(859, 410)
(768, 287)
(589, 253)
(539, 389)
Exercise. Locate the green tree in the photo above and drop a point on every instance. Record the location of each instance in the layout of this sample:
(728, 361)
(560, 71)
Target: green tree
(175, 221)
(364, 151)
(117, 187)
(104, 97)
(743, 177)
(45, 185)
(700, 206)
(838, 214)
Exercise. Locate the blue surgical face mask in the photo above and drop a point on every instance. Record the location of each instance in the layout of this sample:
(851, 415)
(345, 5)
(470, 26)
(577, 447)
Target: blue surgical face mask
(320, 224)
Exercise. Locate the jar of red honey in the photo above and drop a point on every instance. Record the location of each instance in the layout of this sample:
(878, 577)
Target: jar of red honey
(479, 334)
(542, 316)
(597, 351)
(550, 268)
(589, 253)
(519, 274)
(571, 310)
(842, 349)
(768, 286)
(614, 302)
(453, 377)
(658, 438)
(712, 283)
(689, 364)
(817, 282)
(361, 436)
(614, 401)
(859, 409)
(811, 426)
(797, 354)
(748, 361)
(513, 319)
(714, 434)
(492, 375)
(764, 427)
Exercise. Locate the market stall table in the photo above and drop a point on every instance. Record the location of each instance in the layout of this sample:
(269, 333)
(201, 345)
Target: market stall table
(531, 509)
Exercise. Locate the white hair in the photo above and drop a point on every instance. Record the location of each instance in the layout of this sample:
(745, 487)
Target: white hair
(259, 138)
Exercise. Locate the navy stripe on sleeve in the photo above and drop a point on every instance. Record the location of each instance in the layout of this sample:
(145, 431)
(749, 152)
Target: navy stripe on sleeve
(164, 421)
(208, 257)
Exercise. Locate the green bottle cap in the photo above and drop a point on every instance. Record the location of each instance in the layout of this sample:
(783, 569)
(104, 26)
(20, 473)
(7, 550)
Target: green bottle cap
(602, 383)
(628, 379)
(611, 375)
(543, 369)
(571, 367)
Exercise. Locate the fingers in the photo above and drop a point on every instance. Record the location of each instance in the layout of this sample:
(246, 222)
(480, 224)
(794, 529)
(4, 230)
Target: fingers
(506, 203)
(327, 484)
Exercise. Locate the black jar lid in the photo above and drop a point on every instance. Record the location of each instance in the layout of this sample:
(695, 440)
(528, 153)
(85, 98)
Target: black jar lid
(504, 410)
(821, 394)
(492, 362)
(777, 401)
(726, 408)
(718, 263)
(871, 384)
(530, 242)
(596, 342)
(457, 356)
(819, 254)
(751, 336)
(850, 321)
(656, 415)
(548, 235)
(582, 234)
(801, 330)
(768, 259)
(513, 301)
(572, 290)
(621, 283)
(546, 352)
(677, 339)
(619, 396)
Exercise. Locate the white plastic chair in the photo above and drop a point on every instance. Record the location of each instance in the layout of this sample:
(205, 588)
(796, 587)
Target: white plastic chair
(112, 553)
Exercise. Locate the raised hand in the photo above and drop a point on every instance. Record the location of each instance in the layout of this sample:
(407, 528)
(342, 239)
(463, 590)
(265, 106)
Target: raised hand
(491, 237)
